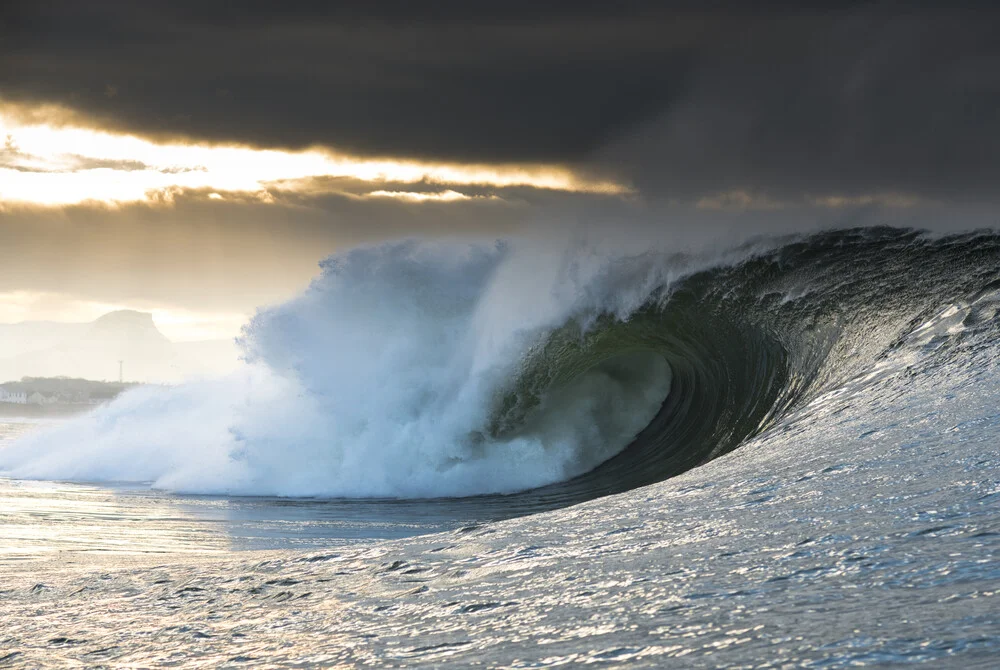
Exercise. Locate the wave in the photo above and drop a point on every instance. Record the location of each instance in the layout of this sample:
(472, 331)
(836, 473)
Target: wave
(531, 375)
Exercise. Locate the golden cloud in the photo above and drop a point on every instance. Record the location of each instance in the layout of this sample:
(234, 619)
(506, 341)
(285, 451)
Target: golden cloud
(51, 159)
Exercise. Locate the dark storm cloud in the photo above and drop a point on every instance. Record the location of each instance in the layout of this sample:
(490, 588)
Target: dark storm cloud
(522, 82)
(684, 98)
(876, 100)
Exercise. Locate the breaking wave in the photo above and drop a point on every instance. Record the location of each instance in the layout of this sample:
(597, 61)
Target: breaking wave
(554, 372)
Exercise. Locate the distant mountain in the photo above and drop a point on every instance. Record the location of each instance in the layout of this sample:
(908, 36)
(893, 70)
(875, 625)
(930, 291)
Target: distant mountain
(93, 351)
(125, 328)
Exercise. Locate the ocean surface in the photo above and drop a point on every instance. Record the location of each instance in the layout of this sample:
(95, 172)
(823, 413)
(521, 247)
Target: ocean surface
(782, 455)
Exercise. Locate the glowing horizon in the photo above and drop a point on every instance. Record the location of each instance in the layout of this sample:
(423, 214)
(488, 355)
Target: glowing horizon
(49, 162)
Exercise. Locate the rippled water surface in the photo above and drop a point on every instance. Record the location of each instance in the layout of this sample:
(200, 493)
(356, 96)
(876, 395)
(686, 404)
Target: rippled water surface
(46, 520)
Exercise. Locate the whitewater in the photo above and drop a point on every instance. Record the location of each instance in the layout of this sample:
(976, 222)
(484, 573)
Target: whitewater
(780, 451)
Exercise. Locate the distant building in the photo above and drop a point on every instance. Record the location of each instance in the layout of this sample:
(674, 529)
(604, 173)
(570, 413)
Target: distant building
(13, 397)
(37, 398)
(60, 391)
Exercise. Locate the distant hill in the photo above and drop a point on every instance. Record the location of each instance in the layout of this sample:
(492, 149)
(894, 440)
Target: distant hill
(93, 351)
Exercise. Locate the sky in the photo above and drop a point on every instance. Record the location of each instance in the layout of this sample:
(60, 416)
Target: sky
(197, 159)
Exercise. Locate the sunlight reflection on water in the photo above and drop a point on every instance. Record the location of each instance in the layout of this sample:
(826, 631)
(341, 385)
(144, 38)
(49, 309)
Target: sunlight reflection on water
(43, 519)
